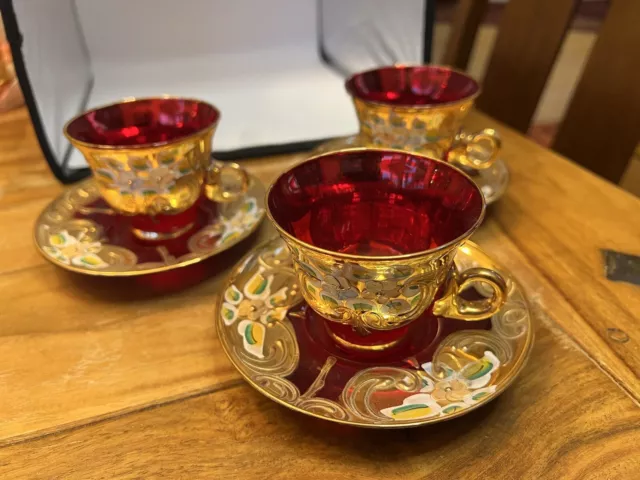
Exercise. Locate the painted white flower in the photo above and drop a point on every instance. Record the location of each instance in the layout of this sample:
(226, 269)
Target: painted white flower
(160, 180)
(245, 218)
(123, 180)
(475, 374)
(255, 306)
(226, 230)
(139, 177)
(415, 407)
(70, 250)
(444, 395)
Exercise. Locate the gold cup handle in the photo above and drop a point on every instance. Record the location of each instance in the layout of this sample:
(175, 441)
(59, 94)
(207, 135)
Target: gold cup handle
(452, 305)
(476, 150)
(215, 187)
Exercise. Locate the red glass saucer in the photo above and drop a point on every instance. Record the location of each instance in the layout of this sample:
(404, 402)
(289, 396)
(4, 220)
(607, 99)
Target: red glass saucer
(79, 232)
(442, 368)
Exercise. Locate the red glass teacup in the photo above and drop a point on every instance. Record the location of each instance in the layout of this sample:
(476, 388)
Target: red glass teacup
(373, 234)
(151, 159)
(421, 109)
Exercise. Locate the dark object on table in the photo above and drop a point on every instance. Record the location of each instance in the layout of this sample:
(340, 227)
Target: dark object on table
(621, 267)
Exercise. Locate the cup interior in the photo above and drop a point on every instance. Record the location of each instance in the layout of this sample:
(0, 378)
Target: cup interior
(144, 122)
(375, 203)
(411, 86)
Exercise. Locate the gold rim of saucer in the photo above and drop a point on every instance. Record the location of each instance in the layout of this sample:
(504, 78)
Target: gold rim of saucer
(269, 368)
(381, 258)
(492, 181)
(58, 216)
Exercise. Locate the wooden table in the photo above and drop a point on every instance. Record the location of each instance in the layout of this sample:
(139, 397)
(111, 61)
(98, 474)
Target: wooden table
(99, 382)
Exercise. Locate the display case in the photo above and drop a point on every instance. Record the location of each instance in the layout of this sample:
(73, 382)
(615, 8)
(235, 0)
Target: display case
(274, 68)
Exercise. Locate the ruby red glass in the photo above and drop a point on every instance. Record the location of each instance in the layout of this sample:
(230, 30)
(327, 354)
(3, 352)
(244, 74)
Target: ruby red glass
(420, 339)
(421, 85)
(375, 202)
(117, 228)
(143, 122)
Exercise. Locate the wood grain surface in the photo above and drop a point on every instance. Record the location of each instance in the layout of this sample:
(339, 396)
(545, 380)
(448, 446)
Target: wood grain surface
(562, 419)
(553, 308)
(106, 379)
(97, 346)
(560, 216)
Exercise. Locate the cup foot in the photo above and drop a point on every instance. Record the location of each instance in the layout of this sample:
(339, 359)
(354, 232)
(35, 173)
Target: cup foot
(380, 345)
(347, 338)
(358, 347)
(153, 236)
(159, 228)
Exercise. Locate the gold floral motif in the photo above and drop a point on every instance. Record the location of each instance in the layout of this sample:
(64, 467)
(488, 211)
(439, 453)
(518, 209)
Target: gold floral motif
(158, 180)
(244, 216)
(421, 394)
(387, 292)
(163, 179)
(256, 308)
(78, 244)
(450, 391)
(469, 368)
(256, 305)
(78, 251)
(429, 131)
(369, 294)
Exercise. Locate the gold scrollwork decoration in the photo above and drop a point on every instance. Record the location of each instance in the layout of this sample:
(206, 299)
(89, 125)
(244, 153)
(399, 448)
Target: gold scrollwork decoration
(360, 392)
